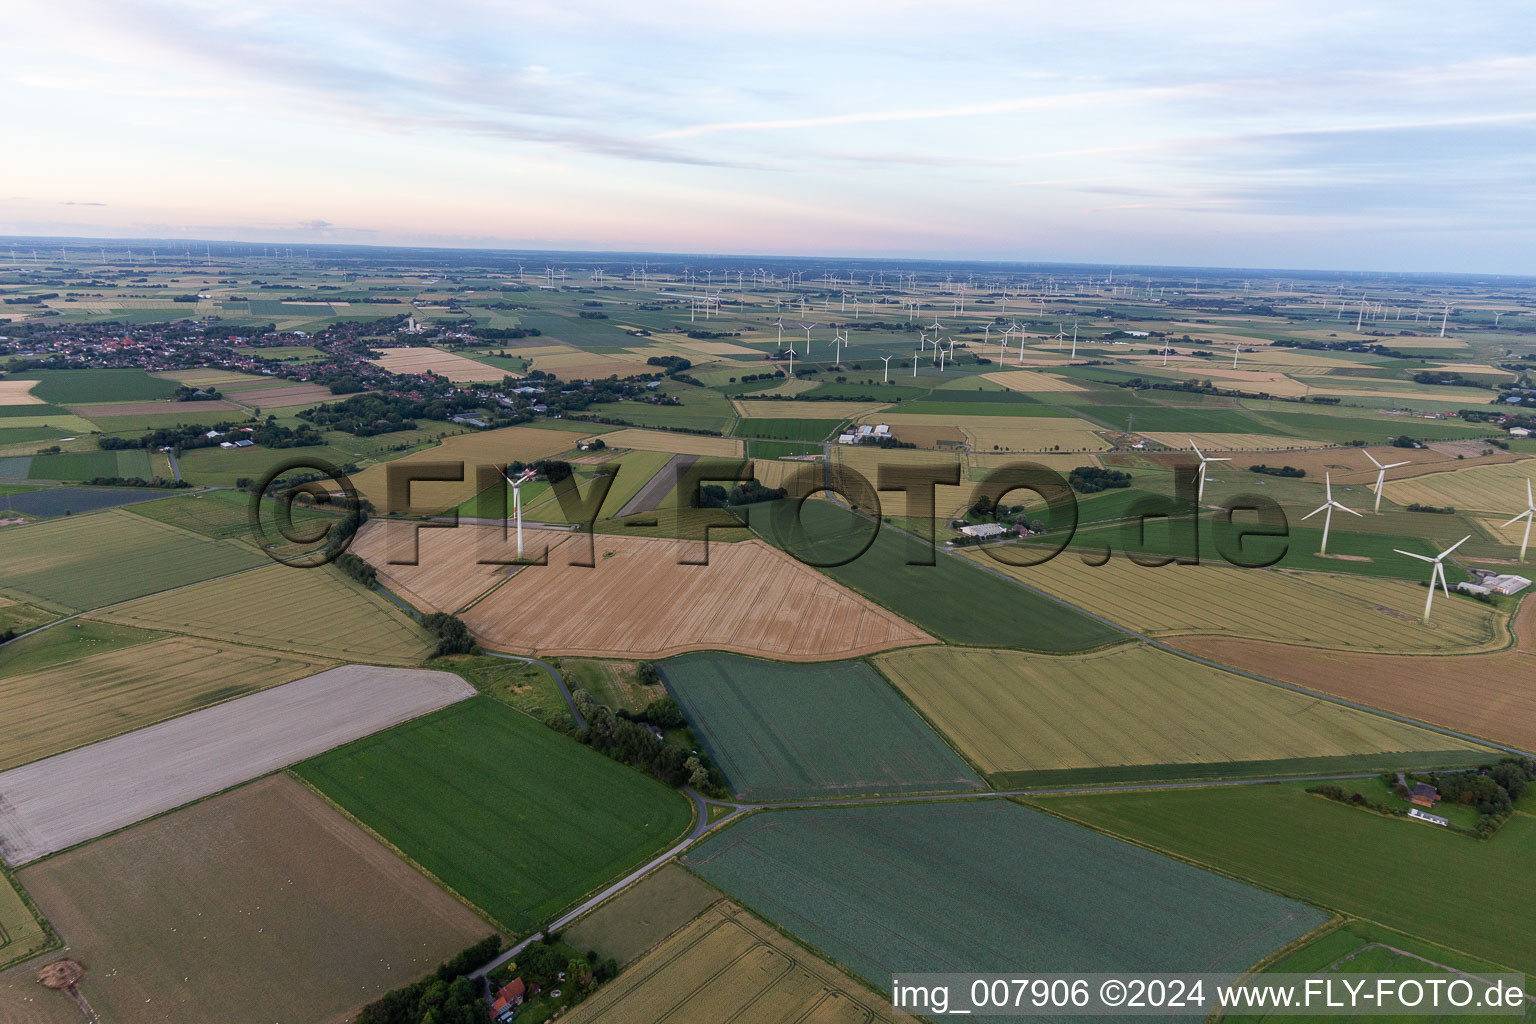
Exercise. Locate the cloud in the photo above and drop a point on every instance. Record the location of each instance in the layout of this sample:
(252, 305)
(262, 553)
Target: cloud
(71, 202)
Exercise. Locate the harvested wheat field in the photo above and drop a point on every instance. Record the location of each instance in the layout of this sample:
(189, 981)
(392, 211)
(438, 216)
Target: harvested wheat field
(155, 408)
(18, 392)
(279, 398)
(1006, 433)
(1350, 466)
(1498, 488)
(792, 409)
(1488, 695)
(1285, 606)
(447, 575)
(435, 360)
(639, 602)
(679, 444)
(791, 386)
(1266, 381)
(66, 706)
(481, 448)
(1029, 380)
(868, 462)
(570, 363)
(221, 379)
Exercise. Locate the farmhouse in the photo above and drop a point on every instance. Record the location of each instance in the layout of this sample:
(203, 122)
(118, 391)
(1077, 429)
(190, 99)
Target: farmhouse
(507, 999)
(986, 531)
(1519, 432)
(1424, 795)
(1494, 583)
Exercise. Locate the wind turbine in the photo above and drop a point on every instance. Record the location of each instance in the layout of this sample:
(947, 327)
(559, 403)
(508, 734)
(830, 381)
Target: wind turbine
(1528, 515)
(1381, 476)
(1203, 460)
(807, 328)
(887, 361)
(1329, 506)
(1235, 351)
(517, 503)
(1437, 573)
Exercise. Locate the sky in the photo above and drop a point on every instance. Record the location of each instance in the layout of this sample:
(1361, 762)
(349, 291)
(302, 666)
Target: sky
(1330, 135)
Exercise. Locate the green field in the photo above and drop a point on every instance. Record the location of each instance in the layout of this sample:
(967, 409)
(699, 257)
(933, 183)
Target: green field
(797, 732)
(516, 818)
(22, 934)
(1468, 894)
(130, 463)
(220, 514)
(529, 688)
(1019, 716)
(81, 387)
(987, 885)
(951, 599)
(81, 562)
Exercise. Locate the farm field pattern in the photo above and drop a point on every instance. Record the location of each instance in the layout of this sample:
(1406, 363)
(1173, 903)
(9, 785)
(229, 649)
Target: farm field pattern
(753, 787)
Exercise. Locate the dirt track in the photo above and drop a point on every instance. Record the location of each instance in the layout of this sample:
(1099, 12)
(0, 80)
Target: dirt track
(55, 803)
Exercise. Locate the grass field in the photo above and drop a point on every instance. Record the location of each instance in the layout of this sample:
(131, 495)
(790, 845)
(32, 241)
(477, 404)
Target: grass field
(631, 923)
(84, 562)
(21, 934)
(528, 688)
(1130, 705)
(1351, 860)
(81, 638)
(90, 465)
(90, 699)
(258, 905)
(614, 683)
(678, 444)
(218, 514)
(798, 732)
(1311, 609)
(1001, 886)
(516, 818)
(316, 612)
(951, 598)
(729, 966)
(78, 387)
(1005, 433)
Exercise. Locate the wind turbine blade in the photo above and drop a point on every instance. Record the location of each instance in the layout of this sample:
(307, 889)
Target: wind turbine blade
(1372, 458)
(1410, 554)
(1523, 515)
(1197, 449)
(1328, 487)
(1453, 547)
(1394, 465)
(1345, 508)
(1440, 572)
(1530, 502)
(1315, 511)
(1222, 459)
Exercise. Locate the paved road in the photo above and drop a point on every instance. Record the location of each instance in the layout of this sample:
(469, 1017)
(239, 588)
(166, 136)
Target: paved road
(174, 467)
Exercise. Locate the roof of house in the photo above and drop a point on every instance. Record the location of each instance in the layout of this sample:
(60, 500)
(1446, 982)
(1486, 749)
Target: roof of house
(1425, 789)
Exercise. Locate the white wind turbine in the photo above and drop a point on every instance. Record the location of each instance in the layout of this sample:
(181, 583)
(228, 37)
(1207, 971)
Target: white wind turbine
(807, 328)
(517, 503)
(1437, 573)
(1528, 515)
(1203, 460)
(1381, 476)
(887, 361)
(1329, 506)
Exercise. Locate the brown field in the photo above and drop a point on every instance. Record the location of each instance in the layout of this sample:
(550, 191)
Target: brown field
(790, 409)
(727, 965)
(948, 500)
(933, 438)
(1498, 488)
(1488, 695)
(18, 392)
(1028, 380)
(983, 462)
(681, 444)
(1268, 381)
(151, 408)
(317, 612)
(572, 363)
(1217, 442)
(708, 348)
(221, 379)
(83, 701)
(261, 904)
(640, 603)
(444, 364)
(482, 448)
(1348, 466)
(300, 394)
(777, 473)
(446, 577)
(791, 386)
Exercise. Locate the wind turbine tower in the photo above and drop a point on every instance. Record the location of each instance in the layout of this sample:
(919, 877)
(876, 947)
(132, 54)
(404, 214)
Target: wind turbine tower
(1437, 573)
(1381, 476)
(1527, 515)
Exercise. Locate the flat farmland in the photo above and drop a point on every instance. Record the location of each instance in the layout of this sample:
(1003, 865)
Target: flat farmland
(263, 903)
(447, 575)
(951, 598)
(1339, 856)
(678, 444)
(798, 732)
(287, 397)
(444, 364)
(1487, 695)
(639, 918)
(1131, 705)
(219, 514)
(1350, 466)
(316, 612)
(639, 602)
(46, 502)
(21, 934)
(727, 965)
(482, 448)
(1223, 442)
(1007, 433)
(1281, 605)
(97, 697)
(1001, 886)
(18, 392)
(1031, 380)
(81, 562)
(224, 380)
(518, 819)
(1496, 488)
(69, 798)
(154, 408)
(91, 464)
(787, 430)
(80, 387)
(869, 462)
(792, 409)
